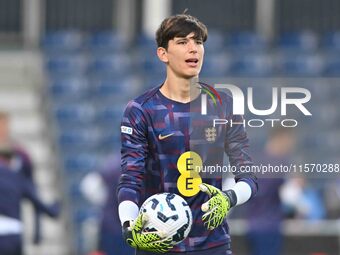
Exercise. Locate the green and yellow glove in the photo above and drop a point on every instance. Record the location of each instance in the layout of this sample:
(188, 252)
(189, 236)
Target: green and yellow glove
(217, 207)
(148, 241)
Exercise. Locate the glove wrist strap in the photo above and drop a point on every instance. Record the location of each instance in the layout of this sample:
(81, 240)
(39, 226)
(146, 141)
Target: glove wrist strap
(231, 196)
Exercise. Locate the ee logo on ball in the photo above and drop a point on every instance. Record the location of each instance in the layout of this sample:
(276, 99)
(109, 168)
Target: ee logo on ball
(189, 180)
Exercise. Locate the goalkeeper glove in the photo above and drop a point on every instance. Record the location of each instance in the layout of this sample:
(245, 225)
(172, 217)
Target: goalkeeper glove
(217, 207)
(148, 241)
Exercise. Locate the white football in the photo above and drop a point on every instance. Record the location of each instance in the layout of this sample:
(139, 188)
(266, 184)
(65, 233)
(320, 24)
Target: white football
(168, 213)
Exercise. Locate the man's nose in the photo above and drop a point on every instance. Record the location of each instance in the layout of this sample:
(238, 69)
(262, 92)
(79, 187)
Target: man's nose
(192, 47)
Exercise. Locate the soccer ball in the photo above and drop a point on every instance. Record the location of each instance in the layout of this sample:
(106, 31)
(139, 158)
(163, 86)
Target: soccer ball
(168, 213)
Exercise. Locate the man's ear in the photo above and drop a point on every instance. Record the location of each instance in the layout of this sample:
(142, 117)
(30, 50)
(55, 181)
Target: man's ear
(162, 54)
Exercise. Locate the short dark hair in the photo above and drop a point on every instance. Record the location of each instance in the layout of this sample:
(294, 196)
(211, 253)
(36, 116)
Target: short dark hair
(180, 26)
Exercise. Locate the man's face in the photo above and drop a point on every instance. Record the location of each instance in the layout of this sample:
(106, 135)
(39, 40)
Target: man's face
(184, 56)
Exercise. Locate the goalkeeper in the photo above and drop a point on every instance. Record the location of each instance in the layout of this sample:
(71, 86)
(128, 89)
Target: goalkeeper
(156, 131)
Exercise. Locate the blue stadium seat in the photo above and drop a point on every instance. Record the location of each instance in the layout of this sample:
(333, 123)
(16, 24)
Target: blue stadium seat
(300, 65)
(112, 139)
(80, 138)
(215, 43)
(149, 64)
(308, 140)
(82, 162)
(110, 113)
(119, 88)
(82, 212)
(146, 43)
(324, 91)
(246, 41)
(332, 65)
(334, 90)
(78, 200)
(110, 65)
(331, 41)
(152, 80)
(69, 88)
(216, 64)
(74, 113)
(107, 41)
(61, 65)
(252, 65)
(305, 41)
(324, 114)
(63, 41)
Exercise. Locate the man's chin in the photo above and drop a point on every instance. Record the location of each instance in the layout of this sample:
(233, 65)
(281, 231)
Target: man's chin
(191, 75)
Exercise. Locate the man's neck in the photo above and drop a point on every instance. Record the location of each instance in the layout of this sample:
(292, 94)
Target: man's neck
(180, 89)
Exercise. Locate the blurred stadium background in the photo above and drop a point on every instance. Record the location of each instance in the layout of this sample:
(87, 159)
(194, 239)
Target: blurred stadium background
(68, 67)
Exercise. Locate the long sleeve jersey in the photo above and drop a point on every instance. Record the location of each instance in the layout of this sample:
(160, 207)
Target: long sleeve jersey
(156, 131)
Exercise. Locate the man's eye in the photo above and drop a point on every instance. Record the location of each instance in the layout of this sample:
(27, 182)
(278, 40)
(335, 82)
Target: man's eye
(199, 42)
(182, 42)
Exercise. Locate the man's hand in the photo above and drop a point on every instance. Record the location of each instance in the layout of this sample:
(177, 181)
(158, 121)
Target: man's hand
(216, 208)
(148, 241)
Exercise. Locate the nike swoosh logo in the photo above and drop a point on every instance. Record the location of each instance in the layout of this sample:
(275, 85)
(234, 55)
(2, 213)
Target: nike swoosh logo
(162, 137)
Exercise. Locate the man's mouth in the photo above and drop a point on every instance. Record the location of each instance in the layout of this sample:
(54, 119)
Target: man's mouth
(192, 62)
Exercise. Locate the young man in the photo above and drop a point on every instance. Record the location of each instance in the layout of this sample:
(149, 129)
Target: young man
(14, 187)
(163, 128)
(20, 163)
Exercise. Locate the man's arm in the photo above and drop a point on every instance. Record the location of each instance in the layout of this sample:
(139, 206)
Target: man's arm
(30, 193)
(133, 154)
(236, 147)
(220, 202)
(27, 171)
